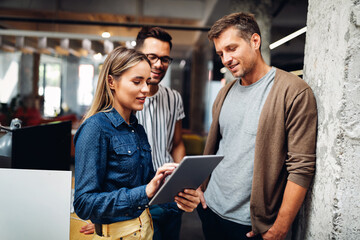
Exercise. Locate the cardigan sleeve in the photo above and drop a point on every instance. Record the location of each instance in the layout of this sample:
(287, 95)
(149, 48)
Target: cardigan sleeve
(301, 127)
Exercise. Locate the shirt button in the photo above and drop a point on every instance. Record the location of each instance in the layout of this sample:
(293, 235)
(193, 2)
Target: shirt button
(139, 207)
(132, 130)
(137, 147)
(129, 151)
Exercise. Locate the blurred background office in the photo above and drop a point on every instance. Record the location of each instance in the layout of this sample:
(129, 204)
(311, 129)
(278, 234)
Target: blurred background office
(51, 51)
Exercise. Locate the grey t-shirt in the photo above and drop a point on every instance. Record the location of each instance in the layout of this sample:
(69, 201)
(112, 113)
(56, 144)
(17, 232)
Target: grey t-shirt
(229, 189)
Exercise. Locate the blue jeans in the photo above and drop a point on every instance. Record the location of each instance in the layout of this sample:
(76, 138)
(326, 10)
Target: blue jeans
(166, 221)
(215, 227)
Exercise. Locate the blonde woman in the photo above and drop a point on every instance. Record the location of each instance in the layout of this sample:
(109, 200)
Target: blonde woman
(114, 177)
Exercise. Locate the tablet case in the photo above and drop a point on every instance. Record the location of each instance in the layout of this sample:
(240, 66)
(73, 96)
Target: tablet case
(190, 174)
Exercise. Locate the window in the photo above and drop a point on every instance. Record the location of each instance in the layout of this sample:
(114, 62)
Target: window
(50, 87)
(9, 76)
(85, 90)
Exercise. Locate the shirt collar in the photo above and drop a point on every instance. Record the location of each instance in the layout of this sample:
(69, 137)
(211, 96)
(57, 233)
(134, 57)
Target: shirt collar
(116, 119)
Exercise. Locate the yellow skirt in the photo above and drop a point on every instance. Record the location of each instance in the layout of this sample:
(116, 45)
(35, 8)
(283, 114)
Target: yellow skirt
(140, 228)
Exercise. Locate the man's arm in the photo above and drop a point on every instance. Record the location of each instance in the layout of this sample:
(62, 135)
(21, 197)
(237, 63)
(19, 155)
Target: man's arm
(178, 149)
(293, 197)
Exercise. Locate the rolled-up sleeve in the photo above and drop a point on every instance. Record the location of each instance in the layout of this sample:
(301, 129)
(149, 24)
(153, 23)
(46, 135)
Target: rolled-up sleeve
(301, 127)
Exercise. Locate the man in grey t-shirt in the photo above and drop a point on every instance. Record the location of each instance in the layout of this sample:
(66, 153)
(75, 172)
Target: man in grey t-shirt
(264, 124)
(238, 137)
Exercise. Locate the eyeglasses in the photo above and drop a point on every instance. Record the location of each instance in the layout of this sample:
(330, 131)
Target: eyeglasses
(153, 58)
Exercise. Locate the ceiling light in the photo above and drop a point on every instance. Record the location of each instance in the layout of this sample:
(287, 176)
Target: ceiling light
(130, 44)
(288, 38)
(105, 35)
(98, 56)
(298, 72)
(182, 63)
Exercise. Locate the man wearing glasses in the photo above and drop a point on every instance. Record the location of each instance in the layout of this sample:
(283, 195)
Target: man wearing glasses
(161, 117)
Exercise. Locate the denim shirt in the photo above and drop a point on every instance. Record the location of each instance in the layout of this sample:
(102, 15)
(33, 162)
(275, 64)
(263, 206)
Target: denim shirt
(112, 167)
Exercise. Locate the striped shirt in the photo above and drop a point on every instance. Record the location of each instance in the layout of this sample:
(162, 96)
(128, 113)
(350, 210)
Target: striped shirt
(159, 116)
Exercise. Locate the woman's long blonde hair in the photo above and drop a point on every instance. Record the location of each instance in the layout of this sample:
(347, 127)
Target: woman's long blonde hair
(116, 63)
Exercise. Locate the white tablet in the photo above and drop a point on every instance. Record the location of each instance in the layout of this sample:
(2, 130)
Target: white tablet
(190, 174)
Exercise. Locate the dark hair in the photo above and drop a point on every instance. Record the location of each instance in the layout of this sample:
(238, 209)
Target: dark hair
(245, 23)
(154, 32)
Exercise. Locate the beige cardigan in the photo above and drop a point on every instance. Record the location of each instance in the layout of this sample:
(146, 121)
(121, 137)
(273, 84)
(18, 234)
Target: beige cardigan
(285, 144)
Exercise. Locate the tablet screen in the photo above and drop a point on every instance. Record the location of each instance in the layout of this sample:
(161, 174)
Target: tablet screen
(190, 174)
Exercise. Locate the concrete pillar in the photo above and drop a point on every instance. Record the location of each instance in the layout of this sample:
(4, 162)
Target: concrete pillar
(26, 74)
(202, 55)
(35, 80)
(70, 83)
(332, 68)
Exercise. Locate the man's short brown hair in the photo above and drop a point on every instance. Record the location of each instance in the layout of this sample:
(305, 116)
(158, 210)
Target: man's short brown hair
(245, 23)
